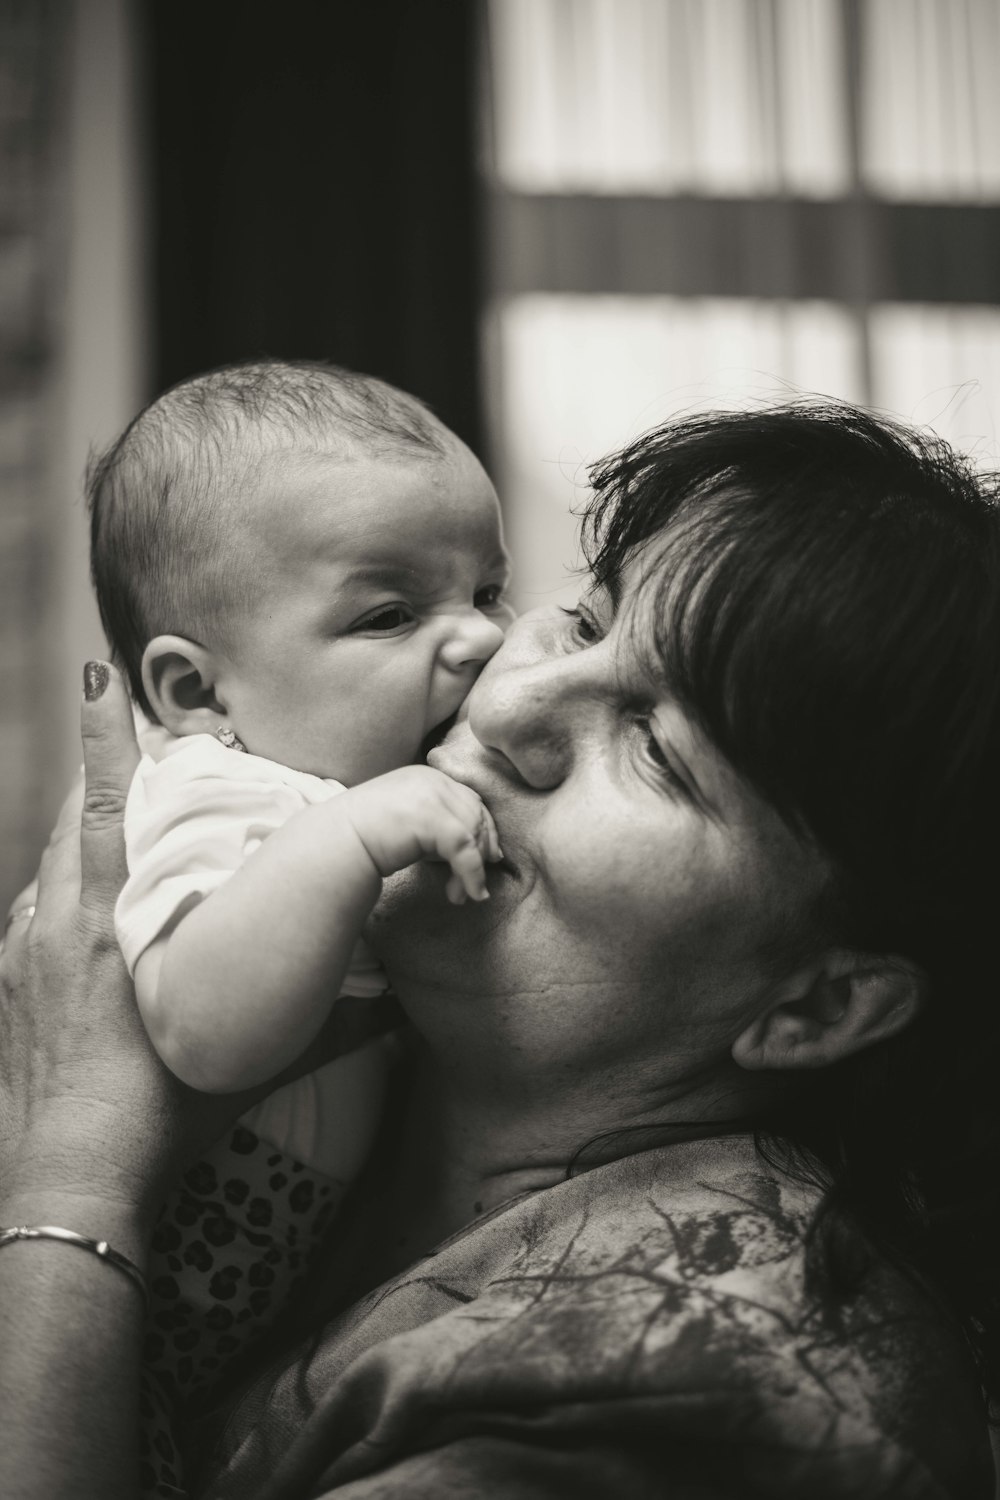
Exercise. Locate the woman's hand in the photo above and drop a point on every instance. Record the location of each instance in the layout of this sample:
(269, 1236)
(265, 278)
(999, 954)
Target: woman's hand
(88, 1113)
(83, 1101)
(92, 1128)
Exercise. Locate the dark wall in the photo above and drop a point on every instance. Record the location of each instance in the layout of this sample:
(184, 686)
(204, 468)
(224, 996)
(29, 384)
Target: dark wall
(314, 191)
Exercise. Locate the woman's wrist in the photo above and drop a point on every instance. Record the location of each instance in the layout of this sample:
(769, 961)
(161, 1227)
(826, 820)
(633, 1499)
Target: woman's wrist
(105, 1217)
(50, 1181)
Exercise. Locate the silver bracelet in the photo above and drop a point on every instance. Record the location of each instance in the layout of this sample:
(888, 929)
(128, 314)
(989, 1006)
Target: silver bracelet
(100, 1248)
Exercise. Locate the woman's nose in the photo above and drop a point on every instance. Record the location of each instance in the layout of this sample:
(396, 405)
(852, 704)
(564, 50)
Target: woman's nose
(472, 638)
(535, 703)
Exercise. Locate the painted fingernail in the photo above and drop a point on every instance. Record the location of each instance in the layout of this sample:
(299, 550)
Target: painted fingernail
(96, 676)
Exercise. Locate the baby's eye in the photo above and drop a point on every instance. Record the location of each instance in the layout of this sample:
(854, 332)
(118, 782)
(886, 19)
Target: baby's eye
(488, 597)
(391, 617)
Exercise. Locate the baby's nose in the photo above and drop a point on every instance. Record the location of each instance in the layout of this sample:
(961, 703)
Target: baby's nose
(473, 638)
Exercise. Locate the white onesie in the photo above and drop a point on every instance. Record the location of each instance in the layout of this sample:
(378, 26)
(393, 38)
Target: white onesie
(195, 811)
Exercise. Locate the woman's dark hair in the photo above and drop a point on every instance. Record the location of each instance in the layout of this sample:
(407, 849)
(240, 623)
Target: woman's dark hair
(827, 592)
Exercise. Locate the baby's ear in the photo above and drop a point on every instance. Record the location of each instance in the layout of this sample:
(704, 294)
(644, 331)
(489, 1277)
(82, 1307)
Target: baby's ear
(180, 680)
(831, 1008)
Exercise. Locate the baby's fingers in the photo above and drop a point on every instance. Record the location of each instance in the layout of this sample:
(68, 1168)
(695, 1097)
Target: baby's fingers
(468, 873)
(465, 839)
(455, 890)
(489, 839)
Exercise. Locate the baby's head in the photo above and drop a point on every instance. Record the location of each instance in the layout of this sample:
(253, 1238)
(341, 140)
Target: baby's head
(300, 554)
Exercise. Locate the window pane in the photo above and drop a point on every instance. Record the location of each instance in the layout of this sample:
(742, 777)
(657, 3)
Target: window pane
(940, 367)
(655, 96)
(930, 104)
(579, 376)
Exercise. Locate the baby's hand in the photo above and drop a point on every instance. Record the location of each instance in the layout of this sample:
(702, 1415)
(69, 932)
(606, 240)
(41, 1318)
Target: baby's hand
(419, 813)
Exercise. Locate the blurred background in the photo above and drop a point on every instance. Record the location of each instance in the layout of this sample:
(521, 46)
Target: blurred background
(557, 221)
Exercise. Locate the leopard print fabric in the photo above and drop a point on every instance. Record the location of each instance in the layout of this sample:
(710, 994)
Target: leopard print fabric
(229, 1248)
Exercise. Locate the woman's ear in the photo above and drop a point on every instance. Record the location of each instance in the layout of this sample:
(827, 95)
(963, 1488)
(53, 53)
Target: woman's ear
(180, 678)
(835, 1007)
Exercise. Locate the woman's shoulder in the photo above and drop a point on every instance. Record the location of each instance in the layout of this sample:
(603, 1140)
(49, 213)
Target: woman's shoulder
(680, 1277)
(659, 1308)
(701, 1210)
(722, 1311)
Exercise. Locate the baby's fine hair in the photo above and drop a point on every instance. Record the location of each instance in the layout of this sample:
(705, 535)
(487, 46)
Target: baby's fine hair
(167, 552)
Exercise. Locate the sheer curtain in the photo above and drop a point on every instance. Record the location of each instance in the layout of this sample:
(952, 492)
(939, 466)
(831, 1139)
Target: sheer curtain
(607, 113)
(582, 375)
(930, 105)
(670, 95)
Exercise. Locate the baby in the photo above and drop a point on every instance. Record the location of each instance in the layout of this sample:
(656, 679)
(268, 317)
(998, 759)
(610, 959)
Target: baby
(301, 572)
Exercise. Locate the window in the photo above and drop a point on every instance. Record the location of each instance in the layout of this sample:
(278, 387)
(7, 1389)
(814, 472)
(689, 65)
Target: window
(704, 201)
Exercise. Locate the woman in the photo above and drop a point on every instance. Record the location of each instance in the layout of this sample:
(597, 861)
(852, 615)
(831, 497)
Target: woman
(692, 1187)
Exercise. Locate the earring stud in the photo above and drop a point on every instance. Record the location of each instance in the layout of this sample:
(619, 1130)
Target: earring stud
(229, 738)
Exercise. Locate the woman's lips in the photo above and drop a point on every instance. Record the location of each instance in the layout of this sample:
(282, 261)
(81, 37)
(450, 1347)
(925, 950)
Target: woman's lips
(447, 756)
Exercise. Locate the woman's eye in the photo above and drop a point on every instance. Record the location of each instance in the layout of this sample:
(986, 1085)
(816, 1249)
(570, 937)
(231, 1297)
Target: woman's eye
(654, 753)
(489, 597)
(392, 617)
(583, 628)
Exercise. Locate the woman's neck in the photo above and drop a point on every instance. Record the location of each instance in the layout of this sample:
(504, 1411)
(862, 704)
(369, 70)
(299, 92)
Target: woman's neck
(433, 1172)
(449, 1155)
(444, 1164)
(455, 1153)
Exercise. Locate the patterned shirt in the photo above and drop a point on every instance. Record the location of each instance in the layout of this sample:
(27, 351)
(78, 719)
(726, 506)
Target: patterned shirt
(644, 1329)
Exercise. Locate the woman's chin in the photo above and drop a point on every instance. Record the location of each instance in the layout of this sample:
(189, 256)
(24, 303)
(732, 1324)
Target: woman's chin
(414, 916)
(415, 931)
(413, 898)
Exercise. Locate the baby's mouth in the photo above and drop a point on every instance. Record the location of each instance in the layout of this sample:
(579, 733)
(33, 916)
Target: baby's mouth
(436, 735)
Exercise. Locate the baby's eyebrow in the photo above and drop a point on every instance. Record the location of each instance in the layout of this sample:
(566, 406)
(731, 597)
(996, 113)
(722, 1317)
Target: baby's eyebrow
(391, 572)
(400, 573)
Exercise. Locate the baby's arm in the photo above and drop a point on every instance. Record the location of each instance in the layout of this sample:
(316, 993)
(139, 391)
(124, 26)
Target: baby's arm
(244, 981)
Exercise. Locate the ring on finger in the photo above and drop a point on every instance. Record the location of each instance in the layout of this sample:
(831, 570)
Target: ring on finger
(16, 915)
